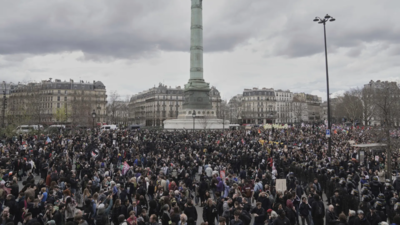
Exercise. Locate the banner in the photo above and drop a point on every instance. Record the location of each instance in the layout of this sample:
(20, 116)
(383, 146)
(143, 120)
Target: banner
(222, 174)
(276, 126)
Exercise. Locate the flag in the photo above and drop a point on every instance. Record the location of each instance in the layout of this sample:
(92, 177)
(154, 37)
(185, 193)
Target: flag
(222, 174)
(48, 140)
(125, 168)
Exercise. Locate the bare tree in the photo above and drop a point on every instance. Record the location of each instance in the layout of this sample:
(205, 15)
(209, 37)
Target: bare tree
(386, 99)
(350, 106)
(369, 108)
(112, 106)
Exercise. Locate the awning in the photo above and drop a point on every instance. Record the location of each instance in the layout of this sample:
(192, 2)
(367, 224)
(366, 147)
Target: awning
(372, 145)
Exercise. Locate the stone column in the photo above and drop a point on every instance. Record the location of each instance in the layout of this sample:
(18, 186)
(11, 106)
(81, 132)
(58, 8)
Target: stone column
(196, 41)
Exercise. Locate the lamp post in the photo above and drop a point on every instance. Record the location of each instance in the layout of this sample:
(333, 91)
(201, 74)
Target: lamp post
(323, 21)
(3, 115)
(93, 117)
(194, 118)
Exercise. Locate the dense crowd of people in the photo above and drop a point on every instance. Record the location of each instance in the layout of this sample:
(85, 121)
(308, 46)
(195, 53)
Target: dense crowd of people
(235, 177)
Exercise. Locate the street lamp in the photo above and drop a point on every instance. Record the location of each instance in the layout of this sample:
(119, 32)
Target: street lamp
(323, 21)
(93, 116)
(3, 116)
(194, 118)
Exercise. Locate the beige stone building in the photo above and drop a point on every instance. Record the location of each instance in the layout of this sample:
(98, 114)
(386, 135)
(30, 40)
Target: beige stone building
(284, 99)
(307, 108)
(153, 106)
(258, 106)
(58, 102)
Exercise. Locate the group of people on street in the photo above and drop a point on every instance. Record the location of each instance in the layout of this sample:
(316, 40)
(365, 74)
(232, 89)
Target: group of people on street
(229, 177)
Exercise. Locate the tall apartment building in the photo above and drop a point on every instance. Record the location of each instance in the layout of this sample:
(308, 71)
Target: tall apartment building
(307, 108)
(258, 106)
(235, 107)
(51, 102)
(5, 90)
(284, 109)
(153, 106)
(381, 102)
(266, 105)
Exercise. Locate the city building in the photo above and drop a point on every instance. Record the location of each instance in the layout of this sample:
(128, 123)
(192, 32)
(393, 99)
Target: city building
(381, 103)
(155, 105)
(307, 108)
(5, 90)
(235, 107)
(58, 102)
(258, 106)
(284, 105)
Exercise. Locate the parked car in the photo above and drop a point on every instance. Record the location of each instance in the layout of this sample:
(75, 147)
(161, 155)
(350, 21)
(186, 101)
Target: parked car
(28, 128)
(134, 127)
(108, 127)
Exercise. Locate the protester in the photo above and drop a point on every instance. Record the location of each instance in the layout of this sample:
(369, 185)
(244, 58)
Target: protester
(154, 176)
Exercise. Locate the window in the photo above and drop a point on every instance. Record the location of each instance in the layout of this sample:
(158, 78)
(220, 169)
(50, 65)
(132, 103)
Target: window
(65, 98)
(59, 91)
(58, 98)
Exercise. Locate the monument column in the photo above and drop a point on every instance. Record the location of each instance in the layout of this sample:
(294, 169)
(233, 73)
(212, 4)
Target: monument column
(196, 41)
(197, 91)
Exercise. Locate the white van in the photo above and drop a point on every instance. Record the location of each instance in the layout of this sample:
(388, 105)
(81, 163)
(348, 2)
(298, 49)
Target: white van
(27, 128)
(58, 126)
(108, 127)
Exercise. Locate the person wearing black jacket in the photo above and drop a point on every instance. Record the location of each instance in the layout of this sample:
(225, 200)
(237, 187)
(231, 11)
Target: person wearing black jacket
(236, 220)
(265, 202)
(166, 217)
(259, 214)
(373, 217)
(361, 220)
(5, 216)
(74, 183)
(190, 210)
(290, 212)
(337, 202)
(210, 212)
(331, 218)
(282, 219)
(304, 211)
(14, 187)
(352, 217)
(317, 210)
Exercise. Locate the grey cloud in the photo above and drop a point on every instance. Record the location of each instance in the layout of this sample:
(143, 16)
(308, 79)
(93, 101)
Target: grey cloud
(105, 30)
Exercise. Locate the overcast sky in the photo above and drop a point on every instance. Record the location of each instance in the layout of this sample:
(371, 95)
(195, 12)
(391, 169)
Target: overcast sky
(132, 45)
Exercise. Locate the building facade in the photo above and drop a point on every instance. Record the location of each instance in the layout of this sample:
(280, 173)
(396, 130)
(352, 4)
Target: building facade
(155, 105)
(5, 90)
(266, 105)
(58, 102)
(381, 103)
(235, 107)
(258, 106)
(309, 108)
(284, 109)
